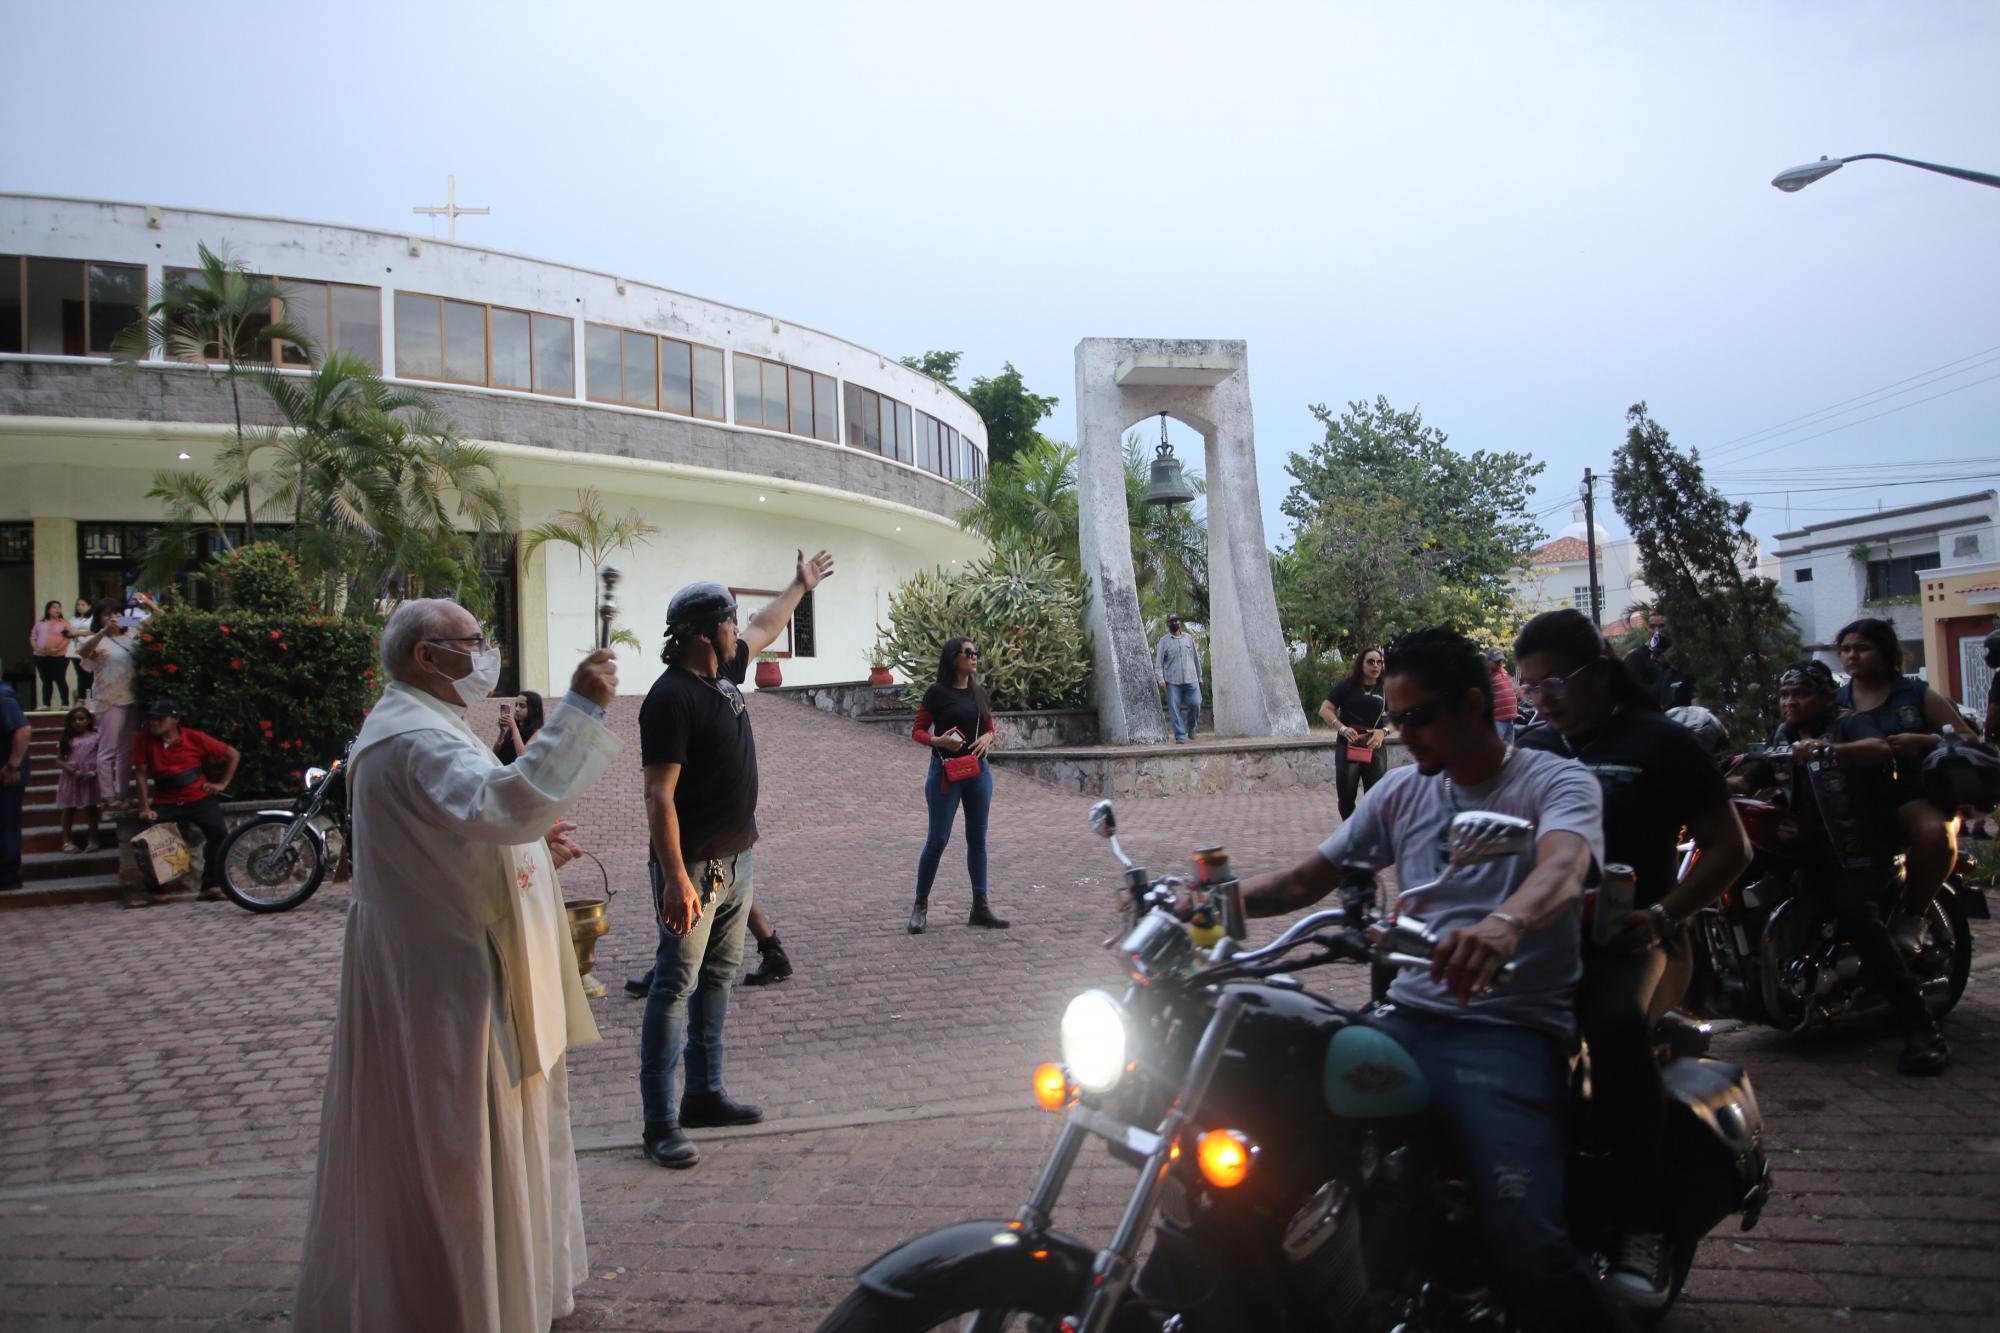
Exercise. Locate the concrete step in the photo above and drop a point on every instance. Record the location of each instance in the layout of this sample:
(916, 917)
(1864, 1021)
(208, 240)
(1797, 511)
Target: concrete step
(46, 836)
(58, 865)
(63, 891)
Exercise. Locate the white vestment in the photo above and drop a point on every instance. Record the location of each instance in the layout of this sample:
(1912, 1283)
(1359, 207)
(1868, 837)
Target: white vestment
(446, 1197)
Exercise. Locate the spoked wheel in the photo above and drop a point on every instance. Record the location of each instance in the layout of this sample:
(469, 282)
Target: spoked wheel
(1944, 955)
(865, 1311)
(260, 873)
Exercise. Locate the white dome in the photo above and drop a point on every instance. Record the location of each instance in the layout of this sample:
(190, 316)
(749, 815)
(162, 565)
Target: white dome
(1578, 529)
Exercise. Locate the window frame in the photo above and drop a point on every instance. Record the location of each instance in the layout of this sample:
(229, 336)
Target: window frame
(486, 309)
(733, 394)
(772, 594)
(83, 274)
(278, 345)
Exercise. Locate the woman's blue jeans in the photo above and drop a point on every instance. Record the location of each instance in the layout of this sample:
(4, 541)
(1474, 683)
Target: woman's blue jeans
(976, 794)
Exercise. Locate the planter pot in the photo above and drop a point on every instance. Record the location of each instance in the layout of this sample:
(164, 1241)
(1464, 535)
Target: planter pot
(768, 675)
(880, 676)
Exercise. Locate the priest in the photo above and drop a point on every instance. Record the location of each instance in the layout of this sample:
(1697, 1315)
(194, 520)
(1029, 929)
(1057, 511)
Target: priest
(446, 1196)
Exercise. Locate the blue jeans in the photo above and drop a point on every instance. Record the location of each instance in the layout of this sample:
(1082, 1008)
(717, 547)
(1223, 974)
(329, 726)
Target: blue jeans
(977, 796)
(1184, 700)
(1506, 730)
(692, 974)
(1500, 1094)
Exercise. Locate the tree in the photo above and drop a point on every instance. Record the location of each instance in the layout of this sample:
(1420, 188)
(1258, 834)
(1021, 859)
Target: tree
(595, 536)
(1729, 627)
(1395, 530)
(1010, 412)
(940, 366)
(223, 315)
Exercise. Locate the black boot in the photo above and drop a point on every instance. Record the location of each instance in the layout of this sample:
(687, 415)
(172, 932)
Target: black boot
(667, 1146)
(714, 1110)
(773, 965)
(919, 917)
(982, 915)
(1924, 1051)
(639, 986)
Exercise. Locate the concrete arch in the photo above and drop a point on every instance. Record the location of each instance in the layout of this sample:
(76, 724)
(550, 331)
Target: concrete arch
(1205, 385)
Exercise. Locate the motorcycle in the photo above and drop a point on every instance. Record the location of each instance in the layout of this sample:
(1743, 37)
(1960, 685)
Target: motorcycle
(277, 859)
(1287, 1172)
(1768, 950)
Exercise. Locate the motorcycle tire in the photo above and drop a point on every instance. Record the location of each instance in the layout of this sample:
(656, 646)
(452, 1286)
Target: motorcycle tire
(270, 885)
(1042, 1310)
(1949, 912)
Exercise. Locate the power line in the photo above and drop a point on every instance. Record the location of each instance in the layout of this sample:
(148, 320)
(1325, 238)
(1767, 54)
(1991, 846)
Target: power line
(1863, 486)
(1784, 427)
(1834, 430)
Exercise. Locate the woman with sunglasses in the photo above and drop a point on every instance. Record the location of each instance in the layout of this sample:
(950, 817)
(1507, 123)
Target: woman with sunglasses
(1354, 709)
(1657, 780)
(955, 720)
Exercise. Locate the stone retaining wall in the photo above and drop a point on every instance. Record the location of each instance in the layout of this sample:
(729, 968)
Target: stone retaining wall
(887, 705)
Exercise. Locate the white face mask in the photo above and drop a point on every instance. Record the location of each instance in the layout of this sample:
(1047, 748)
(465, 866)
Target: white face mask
(484, 676)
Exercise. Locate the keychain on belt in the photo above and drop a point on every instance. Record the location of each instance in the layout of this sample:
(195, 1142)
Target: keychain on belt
(711, 881)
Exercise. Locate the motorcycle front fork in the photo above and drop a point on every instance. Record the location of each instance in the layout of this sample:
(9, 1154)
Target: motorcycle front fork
(1117, 1263)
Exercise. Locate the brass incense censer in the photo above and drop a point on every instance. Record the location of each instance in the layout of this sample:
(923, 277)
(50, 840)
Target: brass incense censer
(589, 918)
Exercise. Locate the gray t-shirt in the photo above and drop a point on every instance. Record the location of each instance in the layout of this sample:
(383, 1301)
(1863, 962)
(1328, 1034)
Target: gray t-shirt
(1403, 822)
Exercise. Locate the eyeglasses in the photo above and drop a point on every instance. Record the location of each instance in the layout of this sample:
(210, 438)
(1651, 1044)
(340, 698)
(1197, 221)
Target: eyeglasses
(1420, 716)
(480, 643)
(968, 652)
(1552, 687)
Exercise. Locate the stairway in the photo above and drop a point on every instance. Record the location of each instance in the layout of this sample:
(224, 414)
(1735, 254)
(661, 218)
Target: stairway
(48, 877)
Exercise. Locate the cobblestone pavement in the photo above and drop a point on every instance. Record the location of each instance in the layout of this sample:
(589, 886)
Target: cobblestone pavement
(160, 1076)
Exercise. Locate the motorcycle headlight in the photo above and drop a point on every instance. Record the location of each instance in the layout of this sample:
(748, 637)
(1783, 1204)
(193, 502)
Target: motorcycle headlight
(1093, 1041)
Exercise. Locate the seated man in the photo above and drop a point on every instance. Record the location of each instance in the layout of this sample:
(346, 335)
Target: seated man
(1498, 1062)
(1854, 844)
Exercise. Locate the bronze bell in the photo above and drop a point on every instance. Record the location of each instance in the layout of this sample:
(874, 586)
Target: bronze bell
(1168, 485)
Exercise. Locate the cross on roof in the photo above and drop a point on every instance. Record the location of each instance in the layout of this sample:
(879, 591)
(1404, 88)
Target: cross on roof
(450, 209)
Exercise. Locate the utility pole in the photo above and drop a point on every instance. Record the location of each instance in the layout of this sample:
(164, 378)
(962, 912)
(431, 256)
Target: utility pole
(1590, 540)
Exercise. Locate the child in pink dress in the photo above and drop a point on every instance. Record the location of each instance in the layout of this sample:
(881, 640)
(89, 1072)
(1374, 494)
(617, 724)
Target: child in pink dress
(76, 786)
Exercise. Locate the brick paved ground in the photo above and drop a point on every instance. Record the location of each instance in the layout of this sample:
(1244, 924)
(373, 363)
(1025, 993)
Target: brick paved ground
(160, 1074)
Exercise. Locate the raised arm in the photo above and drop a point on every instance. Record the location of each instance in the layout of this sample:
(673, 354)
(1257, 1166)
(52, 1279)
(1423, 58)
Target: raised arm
(765, 627)
(508, 804)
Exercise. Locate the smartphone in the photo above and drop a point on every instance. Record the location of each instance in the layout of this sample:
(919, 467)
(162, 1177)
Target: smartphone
(506, 708)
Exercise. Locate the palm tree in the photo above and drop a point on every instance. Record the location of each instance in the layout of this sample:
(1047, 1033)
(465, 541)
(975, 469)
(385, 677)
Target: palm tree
(596, 537)
(221, 316)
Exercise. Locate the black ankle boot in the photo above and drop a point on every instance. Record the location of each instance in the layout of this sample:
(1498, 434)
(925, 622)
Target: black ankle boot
(773, 965)
(667, 1146)
(920, 917)
(982, 915)
(1924, 1051)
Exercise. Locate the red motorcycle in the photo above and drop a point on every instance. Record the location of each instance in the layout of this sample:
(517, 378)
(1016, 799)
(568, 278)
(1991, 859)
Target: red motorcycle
(1769, 951)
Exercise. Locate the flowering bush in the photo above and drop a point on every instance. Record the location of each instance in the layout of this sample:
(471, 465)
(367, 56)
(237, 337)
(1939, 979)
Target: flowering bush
(289, 691)
(261, 578)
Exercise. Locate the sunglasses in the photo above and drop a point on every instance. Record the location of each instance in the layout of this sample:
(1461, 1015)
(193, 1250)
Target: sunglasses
(1420, 716)
(968, 652)
(1552, 687)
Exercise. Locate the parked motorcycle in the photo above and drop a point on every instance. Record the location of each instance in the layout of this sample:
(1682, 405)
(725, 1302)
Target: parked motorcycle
(1288, 1173)
(277, 859)
(1768, 950)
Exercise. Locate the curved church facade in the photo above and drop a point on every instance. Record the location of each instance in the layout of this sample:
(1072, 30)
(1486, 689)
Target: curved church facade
(741, 436)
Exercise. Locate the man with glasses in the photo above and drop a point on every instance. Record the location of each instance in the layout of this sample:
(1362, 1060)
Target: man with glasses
(1497, 1060)
(701, 812)
(446, 1195)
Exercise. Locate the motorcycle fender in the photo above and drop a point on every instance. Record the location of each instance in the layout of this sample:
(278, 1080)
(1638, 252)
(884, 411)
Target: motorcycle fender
(282, 814)
(980, 1259)
(1973, 899)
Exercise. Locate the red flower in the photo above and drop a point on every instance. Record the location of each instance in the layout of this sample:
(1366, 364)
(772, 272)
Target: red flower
(235, 664)
(172, 667)
(145, 638)
(277, 633)
(222, 629)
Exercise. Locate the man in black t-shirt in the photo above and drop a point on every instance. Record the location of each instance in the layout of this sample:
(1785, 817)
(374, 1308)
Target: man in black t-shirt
(701, 811)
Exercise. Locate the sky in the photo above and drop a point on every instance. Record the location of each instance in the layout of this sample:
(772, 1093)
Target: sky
(1521, 217)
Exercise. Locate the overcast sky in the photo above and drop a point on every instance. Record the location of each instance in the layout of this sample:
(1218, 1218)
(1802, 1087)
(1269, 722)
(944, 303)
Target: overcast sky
(1523, 217)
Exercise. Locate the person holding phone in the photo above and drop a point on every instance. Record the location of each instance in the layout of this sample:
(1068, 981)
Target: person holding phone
(1354, 708)
(955, 722)
(520, 719)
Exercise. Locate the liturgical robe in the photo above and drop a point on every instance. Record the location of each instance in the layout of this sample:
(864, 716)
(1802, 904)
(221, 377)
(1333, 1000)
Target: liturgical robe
(446, 1196)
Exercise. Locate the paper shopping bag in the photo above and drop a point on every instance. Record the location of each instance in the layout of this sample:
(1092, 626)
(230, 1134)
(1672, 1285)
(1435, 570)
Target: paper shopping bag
(161, 855)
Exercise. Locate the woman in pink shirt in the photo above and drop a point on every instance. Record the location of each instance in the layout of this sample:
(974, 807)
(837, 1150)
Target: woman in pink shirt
(50, 640)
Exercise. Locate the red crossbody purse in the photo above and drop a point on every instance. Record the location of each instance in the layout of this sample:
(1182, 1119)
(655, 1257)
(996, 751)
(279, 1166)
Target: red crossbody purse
(961, 768)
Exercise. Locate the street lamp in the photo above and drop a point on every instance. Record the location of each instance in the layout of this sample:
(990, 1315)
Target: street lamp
(1793, 179)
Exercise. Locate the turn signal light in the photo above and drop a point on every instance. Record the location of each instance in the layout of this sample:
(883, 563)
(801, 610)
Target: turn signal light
(1051, 1087)
(1225, 1156)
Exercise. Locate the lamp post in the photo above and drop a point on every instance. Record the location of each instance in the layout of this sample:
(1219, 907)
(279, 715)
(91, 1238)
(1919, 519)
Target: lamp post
(1794, 179)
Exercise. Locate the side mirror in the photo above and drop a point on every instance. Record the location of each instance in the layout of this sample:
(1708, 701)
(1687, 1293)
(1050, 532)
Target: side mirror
(1482, 835)
(1102, 821)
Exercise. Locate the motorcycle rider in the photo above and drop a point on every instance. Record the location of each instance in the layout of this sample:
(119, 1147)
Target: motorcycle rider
(1912, 716)
(1498, 1059)
(1814, 728)
(1657, 779)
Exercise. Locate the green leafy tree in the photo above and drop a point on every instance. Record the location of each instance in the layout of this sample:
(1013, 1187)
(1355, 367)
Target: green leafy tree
(940, 366)
(595, 535)
(1395, 530)
(1729, 627)
(1025, 611)
(222, 317)
(1010, 411)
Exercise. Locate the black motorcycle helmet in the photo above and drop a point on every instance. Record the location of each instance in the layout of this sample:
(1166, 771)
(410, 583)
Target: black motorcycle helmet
(694, 613)
(1960, 773)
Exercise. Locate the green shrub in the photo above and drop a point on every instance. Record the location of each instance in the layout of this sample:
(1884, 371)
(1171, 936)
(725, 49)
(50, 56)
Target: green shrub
(1317, 674)
(289, 691)
(261, 578)
(1025, 613)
